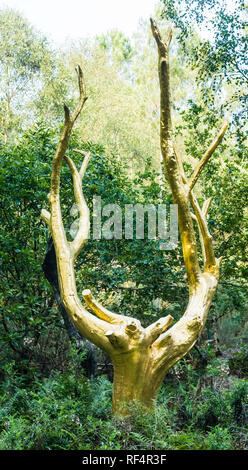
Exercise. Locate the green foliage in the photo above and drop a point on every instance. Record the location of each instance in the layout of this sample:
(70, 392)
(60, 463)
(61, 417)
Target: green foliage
(219, 439)
(26, 302)
(24, 53)
(223, 50)
(52, 413)
(238, 362)
(117, 46)
(211, 410)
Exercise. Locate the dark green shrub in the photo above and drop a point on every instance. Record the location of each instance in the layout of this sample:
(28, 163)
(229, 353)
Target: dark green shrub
(238, 363)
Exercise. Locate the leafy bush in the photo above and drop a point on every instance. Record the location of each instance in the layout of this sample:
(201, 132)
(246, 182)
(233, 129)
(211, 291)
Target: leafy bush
(219, 438)
(238, 363)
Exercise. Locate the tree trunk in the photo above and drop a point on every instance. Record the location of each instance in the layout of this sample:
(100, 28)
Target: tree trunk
(133, 380)
(138, 374)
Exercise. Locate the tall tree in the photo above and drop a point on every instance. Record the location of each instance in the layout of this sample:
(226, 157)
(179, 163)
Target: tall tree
(23, 53)
(141, 356)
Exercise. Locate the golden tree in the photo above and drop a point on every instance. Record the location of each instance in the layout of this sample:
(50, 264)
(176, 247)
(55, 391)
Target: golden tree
(141, 356)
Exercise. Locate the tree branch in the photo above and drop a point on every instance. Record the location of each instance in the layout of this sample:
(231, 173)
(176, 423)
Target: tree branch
(82, 93)
(172, 164)
(101, 311)
(207, 244)
(85, 161)
(46, 217)
(206, 205)
(154, 330)
(207, 155)
(56, 217)
(84, 216)
(91, 327)
(173, 344)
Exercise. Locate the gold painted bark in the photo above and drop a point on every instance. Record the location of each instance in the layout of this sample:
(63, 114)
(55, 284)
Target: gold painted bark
(141, 356)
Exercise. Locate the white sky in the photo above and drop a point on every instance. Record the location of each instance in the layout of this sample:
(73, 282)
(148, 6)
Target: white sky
(63, 19)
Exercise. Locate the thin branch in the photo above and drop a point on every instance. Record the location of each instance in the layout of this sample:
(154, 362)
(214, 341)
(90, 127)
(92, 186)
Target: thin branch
(180, 165)
(207, 155)
(84, 217)
(82, 93)
(67, 114)
(200, 218)
(11, 344)
(46, 217)
(85, 161)
(206, 205)
(156, 34)
(201, 238)
(208, 252)
(165, 94)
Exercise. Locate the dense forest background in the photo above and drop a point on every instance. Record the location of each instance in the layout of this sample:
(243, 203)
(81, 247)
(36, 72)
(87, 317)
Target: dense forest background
(55, 388)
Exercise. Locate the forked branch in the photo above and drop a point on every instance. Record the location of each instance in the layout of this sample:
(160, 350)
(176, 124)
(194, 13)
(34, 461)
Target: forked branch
(84, 216)
(91, 327)
(171, 345)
